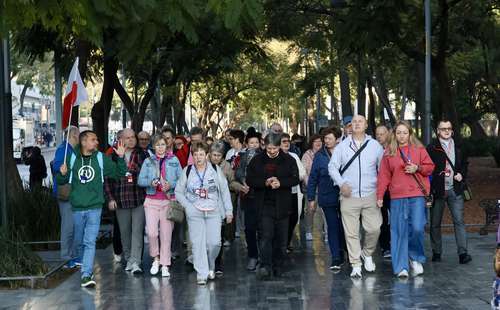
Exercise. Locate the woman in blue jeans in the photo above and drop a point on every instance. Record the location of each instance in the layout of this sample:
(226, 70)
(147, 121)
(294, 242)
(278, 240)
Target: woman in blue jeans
(321, 183)
(405, 171)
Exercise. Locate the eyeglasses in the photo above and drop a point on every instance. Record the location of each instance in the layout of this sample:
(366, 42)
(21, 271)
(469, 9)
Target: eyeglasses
(446, 129)
(285, 141)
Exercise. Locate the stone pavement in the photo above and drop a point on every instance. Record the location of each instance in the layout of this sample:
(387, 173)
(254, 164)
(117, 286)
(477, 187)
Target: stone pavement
(308, 284)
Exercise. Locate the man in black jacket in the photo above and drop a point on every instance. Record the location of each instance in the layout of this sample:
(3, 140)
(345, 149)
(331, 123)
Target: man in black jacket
(447, 186)
(272, 174)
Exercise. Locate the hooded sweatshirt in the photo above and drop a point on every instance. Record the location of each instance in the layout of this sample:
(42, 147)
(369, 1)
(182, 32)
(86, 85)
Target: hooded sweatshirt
(89, 193)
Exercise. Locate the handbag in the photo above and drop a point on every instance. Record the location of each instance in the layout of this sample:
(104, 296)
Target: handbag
(63, 192)
(176, 212)
(466, 188)
(429, 199)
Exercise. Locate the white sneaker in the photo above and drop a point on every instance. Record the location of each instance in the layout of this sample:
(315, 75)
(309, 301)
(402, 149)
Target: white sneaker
(155, 267)
(356, 272)
(403, 274)
(164, 272)
(211, 275)
(129, 266)
(117, 258)
(227, 243)
(369, 264)
(309, 236)
(201, 281)
(136, 269)
(417, 268)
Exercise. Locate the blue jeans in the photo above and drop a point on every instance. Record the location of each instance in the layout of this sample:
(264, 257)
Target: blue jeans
(66, 229)
(86, 225)
(407, 232)
(335, 234)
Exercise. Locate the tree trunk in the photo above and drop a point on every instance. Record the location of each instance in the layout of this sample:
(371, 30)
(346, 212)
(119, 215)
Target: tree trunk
(102, 108)
(361, 94)
(21, 99)
(383, 94)
(372, 124)
(345, 92)
(445, 97)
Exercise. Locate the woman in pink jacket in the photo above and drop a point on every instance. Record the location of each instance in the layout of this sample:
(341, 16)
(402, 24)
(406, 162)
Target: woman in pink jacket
(404, 170)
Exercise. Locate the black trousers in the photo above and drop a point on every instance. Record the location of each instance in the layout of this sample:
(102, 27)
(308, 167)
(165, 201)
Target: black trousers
(272, 241)
(294, 218)
(117, 241)
(385, 228)
(251, 227)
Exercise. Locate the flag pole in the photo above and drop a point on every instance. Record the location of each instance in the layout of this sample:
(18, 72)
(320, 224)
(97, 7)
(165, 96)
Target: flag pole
(68, 128)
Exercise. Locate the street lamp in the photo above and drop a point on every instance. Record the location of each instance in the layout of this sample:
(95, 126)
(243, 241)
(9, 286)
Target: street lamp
(428, 51)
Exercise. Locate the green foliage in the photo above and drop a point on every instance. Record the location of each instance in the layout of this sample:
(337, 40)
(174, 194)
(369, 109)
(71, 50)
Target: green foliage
(35, 215)
(17, 258)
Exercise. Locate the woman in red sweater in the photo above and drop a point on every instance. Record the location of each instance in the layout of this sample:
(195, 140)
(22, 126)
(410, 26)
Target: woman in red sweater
(404, 170)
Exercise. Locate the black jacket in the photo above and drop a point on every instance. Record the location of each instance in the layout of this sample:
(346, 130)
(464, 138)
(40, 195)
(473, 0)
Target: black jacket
(288, 175)
(438, 156)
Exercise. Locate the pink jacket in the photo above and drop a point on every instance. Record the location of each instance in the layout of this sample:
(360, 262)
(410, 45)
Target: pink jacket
(400, 184)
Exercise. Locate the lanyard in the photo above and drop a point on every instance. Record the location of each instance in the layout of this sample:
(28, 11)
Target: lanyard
(199, 176)
(131, 161)
(407, 157)
(90, 162)
(162, 160)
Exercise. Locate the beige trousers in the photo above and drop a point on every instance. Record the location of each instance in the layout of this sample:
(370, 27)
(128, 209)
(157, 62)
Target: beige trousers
(353, 210)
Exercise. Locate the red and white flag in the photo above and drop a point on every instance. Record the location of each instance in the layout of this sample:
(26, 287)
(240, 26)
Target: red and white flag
(75, 94)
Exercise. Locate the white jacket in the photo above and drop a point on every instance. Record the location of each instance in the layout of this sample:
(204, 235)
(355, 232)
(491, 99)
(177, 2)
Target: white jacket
(362, 173)
(302, 172)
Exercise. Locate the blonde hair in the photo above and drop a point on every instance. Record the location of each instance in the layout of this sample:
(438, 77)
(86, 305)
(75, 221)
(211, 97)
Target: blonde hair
(393, 146)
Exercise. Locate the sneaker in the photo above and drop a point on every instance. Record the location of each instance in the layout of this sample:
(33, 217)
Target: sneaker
(336, 264)
(309, 236)
(417, 268)
(326, 238)
(403, 274)
(117, 258)
(227, 243)
(201, 281)
(263, 274)
(136, 269)
(369, 264)
(87, 282)
(386, 254)
(129, 266)
(219, 272)
(71, 264)
(164, 272)
(78, 262)
(464, 258)
(252, 264)
(356, 272)
(436, 257)
(155, 267)
(211, 275)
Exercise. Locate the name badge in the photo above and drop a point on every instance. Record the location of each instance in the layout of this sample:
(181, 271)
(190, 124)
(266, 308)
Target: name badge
(129, 177)
(202, 193)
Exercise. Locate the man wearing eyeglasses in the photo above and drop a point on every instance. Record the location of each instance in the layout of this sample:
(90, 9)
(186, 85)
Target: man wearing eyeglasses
(447, 186)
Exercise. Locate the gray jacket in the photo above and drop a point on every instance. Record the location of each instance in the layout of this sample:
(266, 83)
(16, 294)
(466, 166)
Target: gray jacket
(225, 206)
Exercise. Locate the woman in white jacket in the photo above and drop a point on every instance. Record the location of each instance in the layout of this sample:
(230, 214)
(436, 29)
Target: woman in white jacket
(203, 192)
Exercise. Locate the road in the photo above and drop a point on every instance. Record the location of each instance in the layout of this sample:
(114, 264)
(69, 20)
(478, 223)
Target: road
(48, 154)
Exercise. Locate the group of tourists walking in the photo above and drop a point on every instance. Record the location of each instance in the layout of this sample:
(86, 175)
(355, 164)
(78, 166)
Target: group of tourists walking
(205, 193)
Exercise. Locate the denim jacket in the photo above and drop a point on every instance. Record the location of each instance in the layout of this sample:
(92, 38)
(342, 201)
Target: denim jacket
(150, 171)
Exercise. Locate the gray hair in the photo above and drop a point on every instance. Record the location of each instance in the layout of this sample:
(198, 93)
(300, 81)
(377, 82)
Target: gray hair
(273, 139)
(217, 147)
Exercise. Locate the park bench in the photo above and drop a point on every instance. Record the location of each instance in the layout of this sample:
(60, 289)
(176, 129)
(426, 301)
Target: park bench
(491, 208)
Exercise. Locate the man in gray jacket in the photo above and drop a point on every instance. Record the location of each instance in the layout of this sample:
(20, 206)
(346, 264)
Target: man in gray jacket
(358, 185)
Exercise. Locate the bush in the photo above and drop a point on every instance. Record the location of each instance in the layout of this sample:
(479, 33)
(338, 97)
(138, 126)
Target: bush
(35, 215)
(17, 258)
(479, 147)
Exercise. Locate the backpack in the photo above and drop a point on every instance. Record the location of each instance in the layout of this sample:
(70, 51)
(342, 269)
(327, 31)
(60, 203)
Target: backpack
(188, 170)
(100, 160)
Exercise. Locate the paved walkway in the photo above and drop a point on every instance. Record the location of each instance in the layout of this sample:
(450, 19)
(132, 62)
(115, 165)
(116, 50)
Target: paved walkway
(308, 285)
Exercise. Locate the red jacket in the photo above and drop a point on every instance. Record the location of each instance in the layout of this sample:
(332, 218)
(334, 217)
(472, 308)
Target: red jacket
(400, 184)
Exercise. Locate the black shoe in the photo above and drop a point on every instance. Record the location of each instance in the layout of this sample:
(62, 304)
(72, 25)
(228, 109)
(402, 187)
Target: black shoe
(436, 257)
(263, 274)
(464, 258)
(337, 264)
